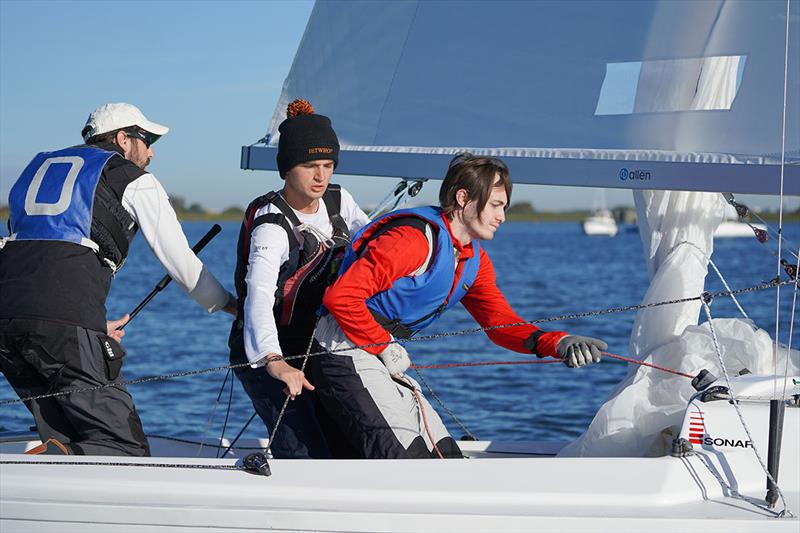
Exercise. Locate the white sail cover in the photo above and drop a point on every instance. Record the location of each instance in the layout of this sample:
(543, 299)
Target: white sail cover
(571, 93)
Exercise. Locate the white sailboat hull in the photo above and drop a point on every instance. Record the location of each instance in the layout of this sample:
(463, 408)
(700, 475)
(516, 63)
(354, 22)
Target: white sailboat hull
(621, 494)
(600, 226)
(500, 487)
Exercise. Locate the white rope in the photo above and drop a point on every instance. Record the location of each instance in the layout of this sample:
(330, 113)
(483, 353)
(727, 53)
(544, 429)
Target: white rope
(719, 274)
(780, 209)
(735, 403)
(318, 233)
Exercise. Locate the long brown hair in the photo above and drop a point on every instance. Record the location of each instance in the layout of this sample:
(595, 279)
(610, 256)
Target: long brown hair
(478, 175)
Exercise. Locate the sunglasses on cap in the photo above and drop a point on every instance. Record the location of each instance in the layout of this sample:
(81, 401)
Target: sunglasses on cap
(145, 136)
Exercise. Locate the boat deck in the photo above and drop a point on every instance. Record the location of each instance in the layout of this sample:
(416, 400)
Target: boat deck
(527, 490)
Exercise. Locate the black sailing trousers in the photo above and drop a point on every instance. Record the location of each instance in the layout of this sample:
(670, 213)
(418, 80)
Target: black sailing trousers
(42, 357)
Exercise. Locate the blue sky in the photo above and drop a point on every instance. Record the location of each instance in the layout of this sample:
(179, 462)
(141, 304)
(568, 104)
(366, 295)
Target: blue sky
(211, 71)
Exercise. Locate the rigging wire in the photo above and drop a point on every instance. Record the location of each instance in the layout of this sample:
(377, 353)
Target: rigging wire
(789, 343)
(762, 236)
(227, 414)
(435, 396)
(735, 402)
(196, 372)
(780, 209)
(213, 412)
(719, 274)
(268, 449)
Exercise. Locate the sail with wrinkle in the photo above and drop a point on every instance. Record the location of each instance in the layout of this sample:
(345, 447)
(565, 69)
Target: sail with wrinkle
(642, 95)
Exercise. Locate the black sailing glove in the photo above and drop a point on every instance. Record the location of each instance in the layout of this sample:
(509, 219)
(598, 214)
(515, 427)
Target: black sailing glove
(577, 351)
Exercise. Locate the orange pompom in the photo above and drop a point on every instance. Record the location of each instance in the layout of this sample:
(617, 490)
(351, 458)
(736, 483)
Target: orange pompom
(299, 107)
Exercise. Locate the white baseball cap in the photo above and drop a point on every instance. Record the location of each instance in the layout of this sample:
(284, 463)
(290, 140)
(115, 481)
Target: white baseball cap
(110, 117)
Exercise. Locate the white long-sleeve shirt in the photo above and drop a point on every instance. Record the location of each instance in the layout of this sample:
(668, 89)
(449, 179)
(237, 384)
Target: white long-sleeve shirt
(269, 249)
(148, 203)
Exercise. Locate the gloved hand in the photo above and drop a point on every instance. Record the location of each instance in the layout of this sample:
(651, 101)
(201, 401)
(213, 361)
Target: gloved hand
(395, 358)
(577, 351)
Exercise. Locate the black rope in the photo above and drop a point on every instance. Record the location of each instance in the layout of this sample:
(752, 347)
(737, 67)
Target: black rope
(227, 412)
(238, 435)
(144, 465)
(187, 373)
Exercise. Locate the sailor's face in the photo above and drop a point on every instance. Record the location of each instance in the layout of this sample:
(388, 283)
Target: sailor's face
(484, 225)
(140, 154)
(310, 180)
(135, 149)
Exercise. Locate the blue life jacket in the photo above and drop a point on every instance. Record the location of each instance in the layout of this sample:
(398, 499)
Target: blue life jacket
(414, 302)
(57, 198)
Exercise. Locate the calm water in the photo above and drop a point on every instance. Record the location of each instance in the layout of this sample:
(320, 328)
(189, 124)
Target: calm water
(544, 270)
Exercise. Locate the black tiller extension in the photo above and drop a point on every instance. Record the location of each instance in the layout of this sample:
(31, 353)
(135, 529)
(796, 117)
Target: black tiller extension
(215, 229)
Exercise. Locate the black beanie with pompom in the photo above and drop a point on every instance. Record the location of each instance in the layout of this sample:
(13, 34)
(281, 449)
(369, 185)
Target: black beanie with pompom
(305, 136)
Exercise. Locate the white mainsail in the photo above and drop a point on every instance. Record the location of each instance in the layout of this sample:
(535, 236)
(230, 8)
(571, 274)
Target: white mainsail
(408, 84)
(657, 96)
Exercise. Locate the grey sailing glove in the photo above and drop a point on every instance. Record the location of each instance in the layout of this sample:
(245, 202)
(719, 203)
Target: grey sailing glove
(395, 358)
(577, 351)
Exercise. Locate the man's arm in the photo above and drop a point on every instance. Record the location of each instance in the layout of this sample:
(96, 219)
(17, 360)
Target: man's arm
(147, 202)
(489, 308)
(269, 249)
(395, 254)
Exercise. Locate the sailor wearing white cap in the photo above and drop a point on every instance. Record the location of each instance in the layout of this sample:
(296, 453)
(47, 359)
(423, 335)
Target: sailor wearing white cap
(72, 216)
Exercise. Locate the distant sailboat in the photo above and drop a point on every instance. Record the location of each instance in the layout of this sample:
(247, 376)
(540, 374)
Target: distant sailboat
(601, 222)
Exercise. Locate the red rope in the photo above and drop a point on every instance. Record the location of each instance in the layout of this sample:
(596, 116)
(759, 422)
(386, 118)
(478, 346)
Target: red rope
(546, 361)
(490, 363)
(425, 421)
(651, 365)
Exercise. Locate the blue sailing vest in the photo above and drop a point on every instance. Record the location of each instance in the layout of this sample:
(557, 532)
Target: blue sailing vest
(414, 302)
(53, 198)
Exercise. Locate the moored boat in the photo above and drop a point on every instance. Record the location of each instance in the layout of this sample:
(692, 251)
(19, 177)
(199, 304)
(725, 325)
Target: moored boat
(600, 223)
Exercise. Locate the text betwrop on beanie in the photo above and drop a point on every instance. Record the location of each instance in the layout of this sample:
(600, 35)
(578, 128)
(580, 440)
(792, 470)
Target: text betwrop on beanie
(305, 136)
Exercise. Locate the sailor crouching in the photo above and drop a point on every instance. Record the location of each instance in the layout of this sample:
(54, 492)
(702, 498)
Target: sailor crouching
(400, 273)
(73, 214)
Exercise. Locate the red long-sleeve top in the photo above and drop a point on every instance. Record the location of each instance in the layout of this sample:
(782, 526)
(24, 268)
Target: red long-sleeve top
(398, 253)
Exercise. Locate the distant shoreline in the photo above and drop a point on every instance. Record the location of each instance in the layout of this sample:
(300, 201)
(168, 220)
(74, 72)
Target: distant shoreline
(538, 216)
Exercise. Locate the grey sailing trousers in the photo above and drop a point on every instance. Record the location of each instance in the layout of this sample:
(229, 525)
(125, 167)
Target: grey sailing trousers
(382, 417)
(42, 357)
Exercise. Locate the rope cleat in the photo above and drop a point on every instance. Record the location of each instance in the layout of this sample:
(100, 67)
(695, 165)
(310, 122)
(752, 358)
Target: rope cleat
(257, 464)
